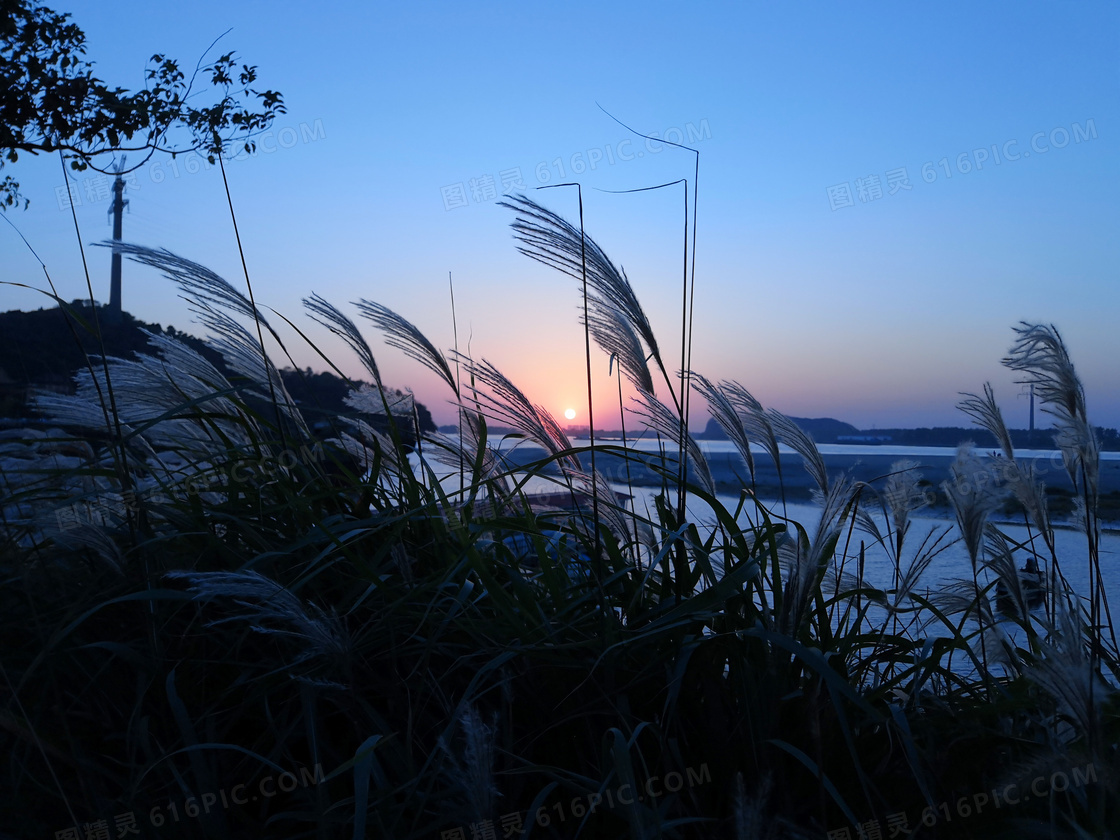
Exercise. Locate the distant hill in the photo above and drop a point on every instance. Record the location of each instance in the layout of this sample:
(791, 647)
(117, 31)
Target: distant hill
(821, 429)
(45, 349)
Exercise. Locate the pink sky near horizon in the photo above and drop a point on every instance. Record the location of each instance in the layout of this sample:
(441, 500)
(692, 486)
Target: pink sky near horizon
(877, 313)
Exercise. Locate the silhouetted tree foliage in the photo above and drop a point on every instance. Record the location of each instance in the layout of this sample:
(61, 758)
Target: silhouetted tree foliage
(50, 100)
(321, 396)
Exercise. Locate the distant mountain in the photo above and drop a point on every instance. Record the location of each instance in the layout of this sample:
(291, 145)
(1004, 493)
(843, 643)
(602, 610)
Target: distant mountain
(821, 429)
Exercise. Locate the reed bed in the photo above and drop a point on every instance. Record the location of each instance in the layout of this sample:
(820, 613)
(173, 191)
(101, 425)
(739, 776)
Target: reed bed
(200, 596)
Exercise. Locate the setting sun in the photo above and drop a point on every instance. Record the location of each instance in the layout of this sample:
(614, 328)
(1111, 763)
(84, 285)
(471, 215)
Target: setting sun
(570, 413)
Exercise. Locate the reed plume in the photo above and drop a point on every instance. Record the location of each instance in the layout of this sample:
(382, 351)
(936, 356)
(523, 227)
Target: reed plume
(986, 413)
(404, 336)
(1012, 594)
(1040, 353)
(269, 608)
(196, 280)
(973, 495)
(504, 402)
(725, 413)
(463, 450)
(338, 323)
(756, 423)
(374, 401)
(664, 421)
(611, 513)
(1019, 477)
(206, 290)
(1070, 677)
(788, 432)
(473, 765)
(903, 495)
(367, 444)
(616, 337)
(242, 354)
(552, 241)
(172, 394)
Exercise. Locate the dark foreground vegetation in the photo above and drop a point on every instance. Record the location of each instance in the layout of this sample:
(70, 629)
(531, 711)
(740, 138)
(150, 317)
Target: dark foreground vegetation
(217, 625)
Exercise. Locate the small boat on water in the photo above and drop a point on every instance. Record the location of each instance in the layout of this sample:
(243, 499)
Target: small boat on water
(1031, 586)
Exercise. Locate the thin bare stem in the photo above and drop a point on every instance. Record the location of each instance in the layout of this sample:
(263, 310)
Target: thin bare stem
(587, 360)
(252, 301)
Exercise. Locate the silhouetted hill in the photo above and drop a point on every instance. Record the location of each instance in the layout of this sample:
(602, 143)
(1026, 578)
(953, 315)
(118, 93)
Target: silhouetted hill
(45, 348)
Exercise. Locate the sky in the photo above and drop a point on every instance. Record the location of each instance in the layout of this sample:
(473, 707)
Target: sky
(885, 189)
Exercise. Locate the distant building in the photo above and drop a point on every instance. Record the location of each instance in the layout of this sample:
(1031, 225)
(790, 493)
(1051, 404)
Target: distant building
(872, 439)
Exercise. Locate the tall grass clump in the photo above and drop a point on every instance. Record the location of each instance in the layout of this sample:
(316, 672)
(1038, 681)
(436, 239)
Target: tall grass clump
(204, 600)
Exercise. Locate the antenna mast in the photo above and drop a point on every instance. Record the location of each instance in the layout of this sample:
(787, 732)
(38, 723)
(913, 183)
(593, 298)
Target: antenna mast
(117, 210)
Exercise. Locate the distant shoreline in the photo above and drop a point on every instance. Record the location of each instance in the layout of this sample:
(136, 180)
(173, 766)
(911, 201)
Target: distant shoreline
(731, 475)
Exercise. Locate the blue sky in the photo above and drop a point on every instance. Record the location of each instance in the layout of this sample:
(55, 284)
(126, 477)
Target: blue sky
(830, 282)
